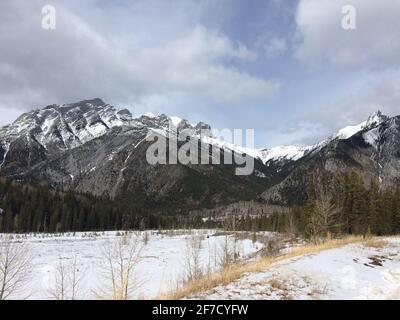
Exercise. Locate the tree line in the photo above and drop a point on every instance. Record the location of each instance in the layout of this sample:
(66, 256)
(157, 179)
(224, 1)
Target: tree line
(338, 205)
(34, 208)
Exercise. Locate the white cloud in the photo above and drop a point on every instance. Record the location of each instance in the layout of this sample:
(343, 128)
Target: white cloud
(374, 43)
(367, 59)
(76, 61)
(381, 92)
(192, 65)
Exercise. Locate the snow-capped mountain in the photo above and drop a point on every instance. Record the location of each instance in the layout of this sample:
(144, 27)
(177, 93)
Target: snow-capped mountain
(293, 153)
(373, 121)
(91, 146)
(66, 126)
(285, 153)
(371, 148)
(71, 125)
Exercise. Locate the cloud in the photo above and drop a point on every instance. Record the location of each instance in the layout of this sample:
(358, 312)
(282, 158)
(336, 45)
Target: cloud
(374, 43)
(275, 47)
(362, 65)
(81, 60)
(380, 92)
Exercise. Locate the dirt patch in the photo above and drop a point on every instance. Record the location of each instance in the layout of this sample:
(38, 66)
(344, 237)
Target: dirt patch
(377, 260)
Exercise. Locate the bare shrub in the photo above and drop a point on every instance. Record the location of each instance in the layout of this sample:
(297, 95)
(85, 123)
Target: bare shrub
(193, 268)
(291, 226)
(229, 252)
(15, 267)
(146, 238)
(121, 257)
(324, 214)
(272, 247)
(67, 280)
(254, 237)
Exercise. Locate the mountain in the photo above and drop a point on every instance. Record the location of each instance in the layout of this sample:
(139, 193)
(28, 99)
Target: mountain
(93, 147)
(371, 149)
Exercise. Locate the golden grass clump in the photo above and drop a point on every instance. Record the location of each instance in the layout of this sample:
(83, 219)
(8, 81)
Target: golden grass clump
(376, 243)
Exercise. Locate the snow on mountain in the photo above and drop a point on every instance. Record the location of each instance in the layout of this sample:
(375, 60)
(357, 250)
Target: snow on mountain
(71, 125)
(283, 153)
(176, 120)
(66, 126)
(293, 153)
(371, 137)
(374, 120)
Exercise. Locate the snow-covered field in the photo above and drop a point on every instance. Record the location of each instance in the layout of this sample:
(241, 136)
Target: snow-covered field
(355, 271)
(161, 267)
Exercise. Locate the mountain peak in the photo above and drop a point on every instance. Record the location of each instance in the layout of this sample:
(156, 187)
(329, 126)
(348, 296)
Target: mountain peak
(375, 118)
(67, 126)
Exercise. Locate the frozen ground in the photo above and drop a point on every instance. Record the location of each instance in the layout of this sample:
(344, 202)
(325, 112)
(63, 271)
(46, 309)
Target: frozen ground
(162, 262)
(355, 271)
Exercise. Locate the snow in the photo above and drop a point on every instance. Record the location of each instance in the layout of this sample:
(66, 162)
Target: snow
(137, 144)
(6, 147)
(161, 267)
(373, 120)
(349, 131)
(97, 129)
(42, 123)
(372, 137)
(355, 271)
(265, 155)
(100, 118)
(259, 174)
(176, 120)
(283, 152)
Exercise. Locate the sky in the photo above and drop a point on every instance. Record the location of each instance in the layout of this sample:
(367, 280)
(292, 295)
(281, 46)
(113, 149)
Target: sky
(285, 68)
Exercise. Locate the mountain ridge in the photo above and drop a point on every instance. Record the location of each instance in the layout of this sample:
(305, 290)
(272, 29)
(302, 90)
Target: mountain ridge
(91, 146)
(102, 116)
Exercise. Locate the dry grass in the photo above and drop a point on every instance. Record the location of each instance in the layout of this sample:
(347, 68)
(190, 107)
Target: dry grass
(376, 243)
(235, 271)
(316, 293)
(275, 283)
